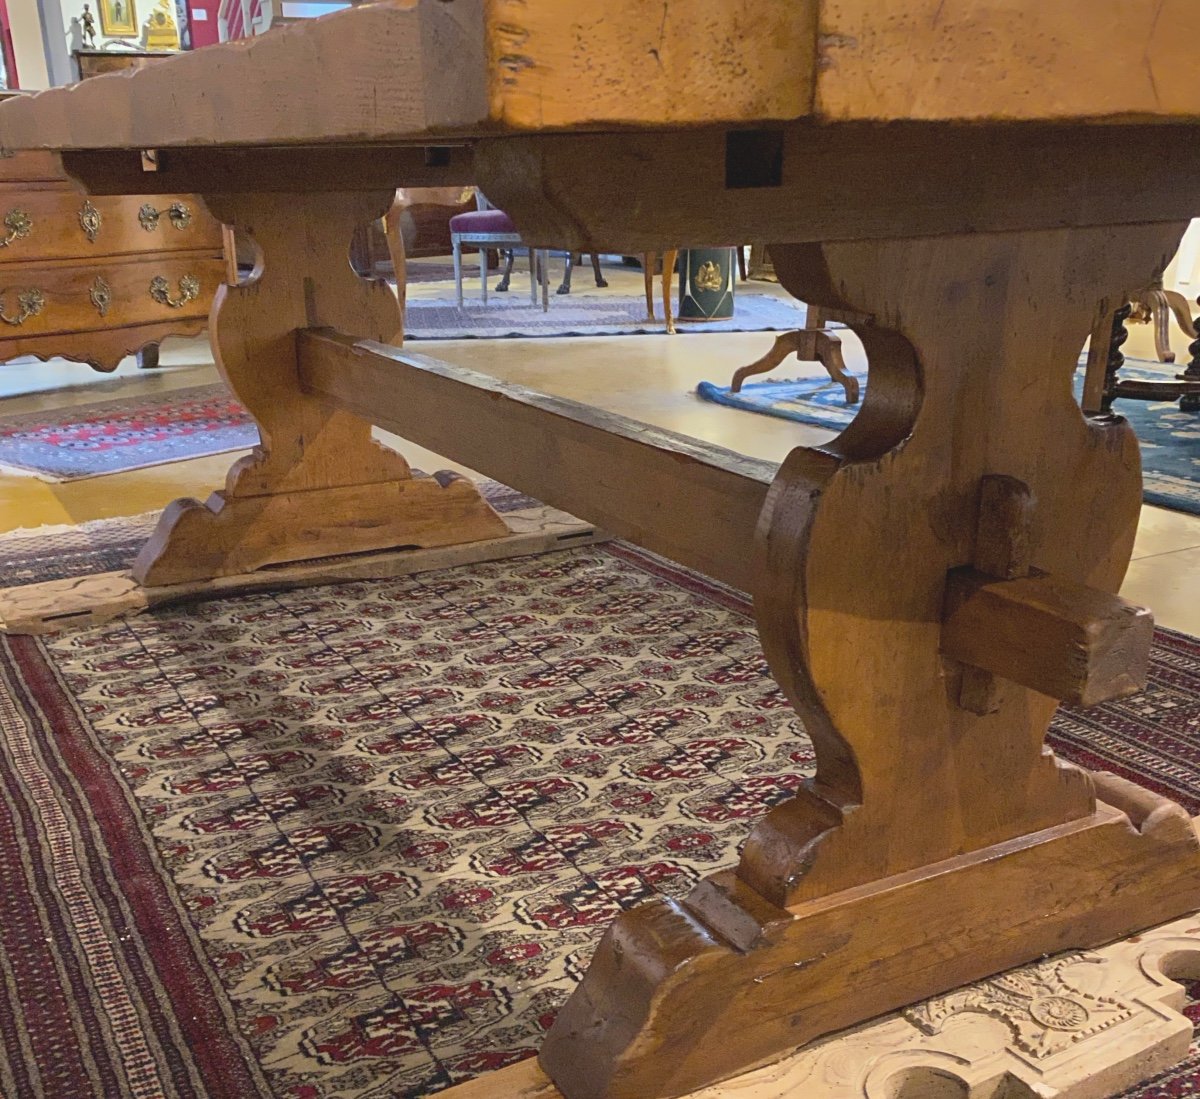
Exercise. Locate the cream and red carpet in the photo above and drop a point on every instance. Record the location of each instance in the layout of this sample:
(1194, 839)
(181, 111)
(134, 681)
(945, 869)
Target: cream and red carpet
(359, 841)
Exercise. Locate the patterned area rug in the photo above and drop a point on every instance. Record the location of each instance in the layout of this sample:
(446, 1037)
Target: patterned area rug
(512, 314)
(1169, 439)
(420, 271)
(90, 440)
(360, 841)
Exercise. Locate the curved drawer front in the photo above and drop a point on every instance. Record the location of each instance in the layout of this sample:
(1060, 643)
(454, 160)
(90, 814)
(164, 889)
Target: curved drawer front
(37, 301)
(56, 223)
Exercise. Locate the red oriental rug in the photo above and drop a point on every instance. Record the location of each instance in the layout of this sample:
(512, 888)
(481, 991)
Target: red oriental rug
(90, 440)
(360, 841)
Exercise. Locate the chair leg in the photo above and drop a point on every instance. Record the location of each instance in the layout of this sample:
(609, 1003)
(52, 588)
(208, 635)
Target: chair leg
(741, 262)
(533, 277)
(565, 287)
(483, 272)
(506, 278)
(601, 281)
(456, 251)
(668, 275)
(545, 267)
(648, 261)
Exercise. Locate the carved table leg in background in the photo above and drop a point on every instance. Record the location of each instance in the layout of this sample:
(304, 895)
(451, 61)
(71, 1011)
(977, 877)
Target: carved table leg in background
(1190, 402)
(1105, 359)
(809, 344)
(316, 485)
(929, 584)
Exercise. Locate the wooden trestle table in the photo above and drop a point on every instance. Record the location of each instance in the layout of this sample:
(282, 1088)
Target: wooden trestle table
(963, 182)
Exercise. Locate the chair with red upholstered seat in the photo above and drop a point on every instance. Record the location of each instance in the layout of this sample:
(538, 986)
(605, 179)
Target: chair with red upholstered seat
(486, 228)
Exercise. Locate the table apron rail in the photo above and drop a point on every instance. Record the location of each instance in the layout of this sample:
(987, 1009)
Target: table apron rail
(692, 502)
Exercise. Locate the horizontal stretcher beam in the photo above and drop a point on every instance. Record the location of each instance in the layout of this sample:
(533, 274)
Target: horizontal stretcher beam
(692, 502)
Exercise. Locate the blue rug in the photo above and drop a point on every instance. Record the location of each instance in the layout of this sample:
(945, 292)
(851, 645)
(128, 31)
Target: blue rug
(1169, 438)
(512, 315)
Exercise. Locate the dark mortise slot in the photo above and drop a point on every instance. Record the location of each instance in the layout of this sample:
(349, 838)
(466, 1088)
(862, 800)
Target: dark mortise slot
(753, 158)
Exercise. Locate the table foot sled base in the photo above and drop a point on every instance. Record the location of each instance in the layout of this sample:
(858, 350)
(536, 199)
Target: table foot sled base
(230, 534)
(92, 600)
(1077, 1025)
(682, 995)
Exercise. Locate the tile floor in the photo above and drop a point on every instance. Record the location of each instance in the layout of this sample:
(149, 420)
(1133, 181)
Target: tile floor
(650, 378)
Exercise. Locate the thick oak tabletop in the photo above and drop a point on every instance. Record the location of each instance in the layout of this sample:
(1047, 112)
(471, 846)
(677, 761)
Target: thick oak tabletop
(419, 70)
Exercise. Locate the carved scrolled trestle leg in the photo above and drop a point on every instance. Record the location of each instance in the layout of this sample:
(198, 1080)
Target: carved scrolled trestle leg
(939, 841)
(316, 485)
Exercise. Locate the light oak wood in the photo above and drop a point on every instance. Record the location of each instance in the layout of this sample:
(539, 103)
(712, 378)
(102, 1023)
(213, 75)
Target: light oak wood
(280, 171)
(832, 186)
(1078, 1025)
(520, 65)
(935, 843)
(1068, 641)
(851, 594)
(516, 66)
(316, 485)
(1002, 550)
(55, 605)
(692, 501)
(692, 974)
(960, 59)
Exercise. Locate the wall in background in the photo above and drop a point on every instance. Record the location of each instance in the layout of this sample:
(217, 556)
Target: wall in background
(29, 47)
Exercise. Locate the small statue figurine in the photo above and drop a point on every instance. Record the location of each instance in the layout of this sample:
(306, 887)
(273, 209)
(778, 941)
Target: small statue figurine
(89, 28)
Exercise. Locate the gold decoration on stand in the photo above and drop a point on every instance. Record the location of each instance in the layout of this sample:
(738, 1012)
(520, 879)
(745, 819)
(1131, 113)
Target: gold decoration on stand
(162, 32)
(708, 277)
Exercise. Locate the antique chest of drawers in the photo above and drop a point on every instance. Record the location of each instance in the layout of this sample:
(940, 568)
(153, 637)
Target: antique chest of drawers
(96, 279)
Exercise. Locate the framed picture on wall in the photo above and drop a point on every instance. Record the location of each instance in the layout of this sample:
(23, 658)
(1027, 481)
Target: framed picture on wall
(118, 19)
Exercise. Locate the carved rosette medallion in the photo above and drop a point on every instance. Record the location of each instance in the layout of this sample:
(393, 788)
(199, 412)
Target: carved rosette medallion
(90, 221)
(1045, 1013)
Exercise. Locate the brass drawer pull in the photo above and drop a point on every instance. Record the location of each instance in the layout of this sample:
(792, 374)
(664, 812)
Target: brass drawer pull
(90, 221)
(180, 216)
(189, 290)
(18, 224)
(29, 304)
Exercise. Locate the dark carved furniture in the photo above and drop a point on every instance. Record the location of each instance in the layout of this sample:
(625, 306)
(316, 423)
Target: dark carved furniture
(1102, 382)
